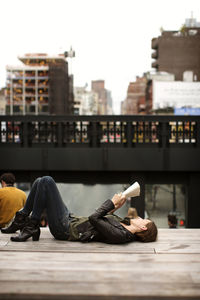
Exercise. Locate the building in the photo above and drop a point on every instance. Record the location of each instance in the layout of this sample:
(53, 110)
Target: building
(177, 52)
(175, 82)
(135, 102)
(109, 103)
(104, 97)
(85, 102)
(2, 101)
(41, 85)
(78, 99)
(97, 101)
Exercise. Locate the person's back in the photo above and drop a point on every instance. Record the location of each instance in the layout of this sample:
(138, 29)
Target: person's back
(11, 199)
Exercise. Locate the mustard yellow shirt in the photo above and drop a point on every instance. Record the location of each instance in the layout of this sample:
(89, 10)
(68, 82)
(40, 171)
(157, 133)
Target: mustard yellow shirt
(11, 200)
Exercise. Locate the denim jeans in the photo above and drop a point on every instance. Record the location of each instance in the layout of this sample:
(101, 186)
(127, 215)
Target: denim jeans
(44, 194)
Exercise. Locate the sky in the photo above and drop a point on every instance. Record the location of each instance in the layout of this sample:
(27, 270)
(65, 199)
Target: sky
(111, 38)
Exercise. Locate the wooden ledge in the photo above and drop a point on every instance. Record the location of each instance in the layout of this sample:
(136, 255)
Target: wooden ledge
(51, 269)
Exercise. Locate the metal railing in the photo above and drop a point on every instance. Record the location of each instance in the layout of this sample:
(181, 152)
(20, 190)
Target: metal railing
(100, 131)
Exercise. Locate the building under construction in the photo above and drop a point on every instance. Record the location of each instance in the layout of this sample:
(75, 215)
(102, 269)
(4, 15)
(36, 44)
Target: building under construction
(41, 85)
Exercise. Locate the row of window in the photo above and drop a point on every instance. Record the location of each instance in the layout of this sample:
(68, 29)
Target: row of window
(18, 109)
(27, 73)
(27, 91)
(17, 100)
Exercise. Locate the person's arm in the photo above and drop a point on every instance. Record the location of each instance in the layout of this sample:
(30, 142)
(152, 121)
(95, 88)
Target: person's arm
(111, 233)
(118, 201)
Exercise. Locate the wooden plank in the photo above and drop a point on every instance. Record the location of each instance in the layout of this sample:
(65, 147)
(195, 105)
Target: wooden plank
(134, 290)
(77, 250)
(103, 266)
(98, 257)
(3, 243)
(175, 235)
(76, 247)
(177, 248)
(48, 243)
(95, 275)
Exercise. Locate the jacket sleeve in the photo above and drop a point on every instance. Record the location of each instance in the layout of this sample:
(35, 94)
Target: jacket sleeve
(111, 233)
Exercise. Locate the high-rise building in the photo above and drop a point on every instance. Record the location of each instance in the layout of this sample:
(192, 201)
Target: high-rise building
(109, 103)
(105, 99)
(177, 52)
(41, 85)
(85, 102)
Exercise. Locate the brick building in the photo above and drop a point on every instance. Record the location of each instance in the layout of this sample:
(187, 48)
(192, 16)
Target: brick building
(135, 102)
(104, 97)
(177, 52)
(177, 58)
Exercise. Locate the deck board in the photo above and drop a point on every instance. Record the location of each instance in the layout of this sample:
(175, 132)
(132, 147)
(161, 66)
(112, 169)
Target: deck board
(51, 269)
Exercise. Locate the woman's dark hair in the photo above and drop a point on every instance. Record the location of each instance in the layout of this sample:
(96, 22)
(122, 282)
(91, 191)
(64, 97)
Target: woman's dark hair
(148, 235)
(8, 178)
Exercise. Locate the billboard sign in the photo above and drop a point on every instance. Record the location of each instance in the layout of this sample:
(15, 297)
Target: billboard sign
(176, 94)
(187, 111)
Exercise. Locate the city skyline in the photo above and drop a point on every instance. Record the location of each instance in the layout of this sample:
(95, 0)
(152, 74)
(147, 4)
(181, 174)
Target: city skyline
(111, 39)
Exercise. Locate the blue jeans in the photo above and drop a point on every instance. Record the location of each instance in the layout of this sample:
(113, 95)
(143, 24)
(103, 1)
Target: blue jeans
(44, 194)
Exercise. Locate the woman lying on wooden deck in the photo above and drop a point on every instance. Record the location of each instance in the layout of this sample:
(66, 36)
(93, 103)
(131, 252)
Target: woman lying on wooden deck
(102, 225)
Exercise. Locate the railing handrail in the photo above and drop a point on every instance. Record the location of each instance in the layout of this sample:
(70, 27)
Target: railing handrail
(127, 131)
(98, 118)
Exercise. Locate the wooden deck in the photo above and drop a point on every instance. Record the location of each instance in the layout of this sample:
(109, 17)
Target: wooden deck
(51, 269)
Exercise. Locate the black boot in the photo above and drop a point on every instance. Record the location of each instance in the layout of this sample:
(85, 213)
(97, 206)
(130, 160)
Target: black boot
(19, 222)
(32, 229)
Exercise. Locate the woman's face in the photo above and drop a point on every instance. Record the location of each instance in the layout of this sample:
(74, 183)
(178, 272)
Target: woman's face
(140, 224)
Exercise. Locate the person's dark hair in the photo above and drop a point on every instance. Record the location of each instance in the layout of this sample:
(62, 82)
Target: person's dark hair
(148, 235)
(172, 219)
(8, 178)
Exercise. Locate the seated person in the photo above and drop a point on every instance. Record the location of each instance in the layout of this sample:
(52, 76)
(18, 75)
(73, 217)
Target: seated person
(172, 221)
(102, 225)
(132, 213)
(11, 199)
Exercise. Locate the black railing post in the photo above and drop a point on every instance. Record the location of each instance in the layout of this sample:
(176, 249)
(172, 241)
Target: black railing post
(164, 134)
(93, 134)
(198, 134)
(164, 141)
(59, 134)
(129, 133)
(25, 134)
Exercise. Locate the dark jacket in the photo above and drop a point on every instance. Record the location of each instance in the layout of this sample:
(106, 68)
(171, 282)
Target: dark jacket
(101, 226)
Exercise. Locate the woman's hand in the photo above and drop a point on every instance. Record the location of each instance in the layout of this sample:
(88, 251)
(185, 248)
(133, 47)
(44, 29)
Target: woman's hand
(118, 200)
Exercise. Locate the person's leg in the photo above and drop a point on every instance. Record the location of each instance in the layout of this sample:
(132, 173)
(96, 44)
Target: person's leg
(28, 207)
(21, 218)
(48, 197)
(45, 195)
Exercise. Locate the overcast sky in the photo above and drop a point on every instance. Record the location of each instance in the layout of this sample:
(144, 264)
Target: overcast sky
(111, 38)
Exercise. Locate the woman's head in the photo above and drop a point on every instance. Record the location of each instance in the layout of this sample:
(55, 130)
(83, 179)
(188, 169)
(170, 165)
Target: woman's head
(147, 230)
